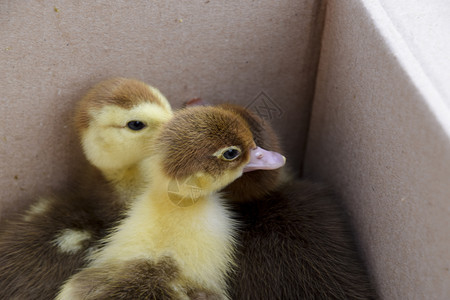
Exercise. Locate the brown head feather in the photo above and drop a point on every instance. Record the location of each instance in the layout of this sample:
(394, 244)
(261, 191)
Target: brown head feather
(255, 184)
(189, 139)
(122, 92)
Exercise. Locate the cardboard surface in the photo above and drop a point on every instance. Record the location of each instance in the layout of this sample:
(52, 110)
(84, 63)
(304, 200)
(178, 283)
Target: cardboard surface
(424, 27)
(256, 53)
(378, 136)
(379, 131)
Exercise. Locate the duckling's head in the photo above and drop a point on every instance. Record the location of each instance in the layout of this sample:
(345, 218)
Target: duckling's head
(252, 185)
(209, 147)
(117, 120)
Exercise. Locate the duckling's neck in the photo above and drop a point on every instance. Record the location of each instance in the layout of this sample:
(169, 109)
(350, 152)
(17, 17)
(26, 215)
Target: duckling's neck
(194, 229)
(182, 194)
(127, 182)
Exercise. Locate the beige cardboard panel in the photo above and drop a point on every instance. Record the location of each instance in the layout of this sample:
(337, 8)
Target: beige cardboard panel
(52, 52)
(374, 138)
(425, 29)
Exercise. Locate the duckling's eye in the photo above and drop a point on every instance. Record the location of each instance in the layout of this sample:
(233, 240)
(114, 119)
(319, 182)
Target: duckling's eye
(136, 125)
(231, 154)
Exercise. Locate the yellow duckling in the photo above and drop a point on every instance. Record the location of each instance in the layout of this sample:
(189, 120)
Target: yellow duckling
(177, 241)
(117, 121)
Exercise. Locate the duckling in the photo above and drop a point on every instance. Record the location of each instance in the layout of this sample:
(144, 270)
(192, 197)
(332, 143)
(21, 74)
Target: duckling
(116, 120)
(295, 241)
(299, 237)
(177, 241)
(259, 182)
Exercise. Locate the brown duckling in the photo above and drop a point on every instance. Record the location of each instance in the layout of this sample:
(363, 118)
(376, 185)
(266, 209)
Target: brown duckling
(177, 241)
(40, 249)
(295, 241)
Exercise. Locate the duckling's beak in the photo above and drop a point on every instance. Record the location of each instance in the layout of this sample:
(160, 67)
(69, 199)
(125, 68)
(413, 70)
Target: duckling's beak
(196, 102)
(261, 159)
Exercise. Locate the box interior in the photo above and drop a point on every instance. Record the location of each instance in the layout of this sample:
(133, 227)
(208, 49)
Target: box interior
(350, 106)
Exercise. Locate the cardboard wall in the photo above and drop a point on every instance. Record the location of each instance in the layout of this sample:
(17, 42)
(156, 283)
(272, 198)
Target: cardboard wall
(374, 134)
(380, 134)
(256, 53)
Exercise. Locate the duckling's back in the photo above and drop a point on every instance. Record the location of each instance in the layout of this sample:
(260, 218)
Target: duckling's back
(44, 246)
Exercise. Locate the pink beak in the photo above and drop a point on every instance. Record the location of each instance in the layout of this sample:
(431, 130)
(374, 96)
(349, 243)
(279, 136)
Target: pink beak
(196, 102)
(261, 159)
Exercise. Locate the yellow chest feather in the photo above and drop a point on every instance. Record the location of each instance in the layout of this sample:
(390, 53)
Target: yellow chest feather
(199, 238)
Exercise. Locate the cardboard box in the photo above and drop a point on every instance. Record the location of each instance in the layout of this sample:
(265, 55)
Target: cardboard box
(373, 120)
(379, 133)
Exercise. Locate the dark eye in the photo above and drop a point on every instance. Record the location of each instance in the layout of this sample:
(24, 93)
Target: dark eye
(231, 154)
(135, 125)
